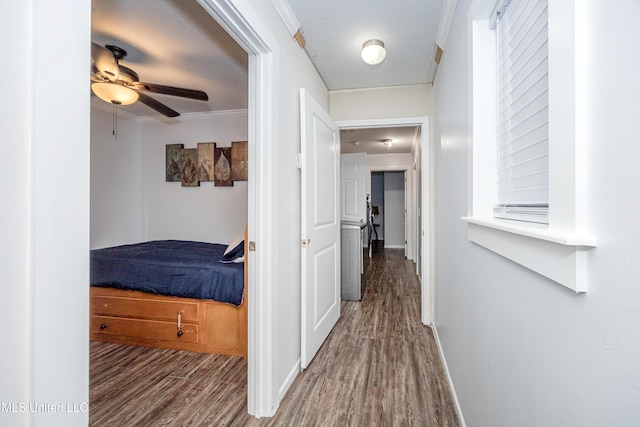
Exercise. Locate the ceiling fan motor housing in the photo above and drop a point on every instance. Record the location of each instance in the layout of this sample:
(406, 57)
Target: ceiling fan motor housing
(118, 52)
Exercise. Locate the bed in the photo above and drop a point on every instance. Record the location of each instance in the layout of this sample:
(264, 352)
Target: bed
(150, 295)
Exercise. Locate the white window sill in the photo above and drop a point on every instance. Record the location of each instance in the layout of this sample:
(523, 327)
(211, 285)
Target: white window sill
(555, 254)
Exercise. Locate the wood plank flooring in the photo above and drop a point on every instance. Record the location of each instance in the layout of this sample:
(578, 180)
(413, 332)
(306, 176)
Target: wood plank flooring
(379, 367)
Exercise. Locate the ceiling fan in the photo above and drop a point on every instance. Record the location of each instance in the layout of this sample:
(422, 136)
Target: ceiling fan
(120, 85)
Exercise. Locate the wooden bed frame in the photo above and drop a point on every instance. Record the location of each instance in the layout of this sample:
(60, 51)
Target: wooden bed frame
(140, 318)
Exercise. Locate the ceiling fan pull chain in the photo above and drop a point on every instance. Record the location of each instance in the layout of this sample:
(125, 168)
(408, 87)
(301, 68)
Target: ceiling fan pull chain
(115, 120)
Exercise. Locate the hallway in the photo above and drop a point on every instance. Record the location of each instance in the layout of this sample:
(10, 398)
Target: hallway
(379, 367)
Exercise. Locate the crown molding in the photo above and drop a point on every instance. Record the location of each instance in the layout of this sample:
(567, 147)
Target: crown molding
(287, 16)
(108, 108)
(194, 116)
(446, 17)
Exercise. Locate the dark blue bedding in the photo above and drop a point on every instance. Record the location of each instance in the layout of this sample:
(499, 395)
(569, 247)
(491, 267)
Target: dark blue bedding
(170, 267)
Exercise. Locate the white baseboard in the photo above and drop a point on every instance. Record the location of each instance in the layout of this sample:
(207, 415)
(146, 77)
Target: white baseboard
(454, 396)
(293, 373)
(394, 246)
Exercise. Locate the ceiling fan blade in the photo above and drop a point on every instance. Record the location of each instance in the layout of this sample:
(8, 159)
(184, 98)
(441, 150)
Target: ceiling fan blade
(104, 62)
(156, 105)
(170, 90)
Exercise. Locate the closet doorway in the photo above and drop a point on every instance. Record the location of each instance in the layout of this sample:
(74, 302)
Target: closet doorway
(389, 210)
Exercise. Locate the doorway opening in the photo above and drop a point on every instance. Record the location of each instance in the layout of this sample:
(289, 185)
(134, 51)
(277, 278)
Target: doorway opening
(262, 391)
(389, 210)
(416, 164)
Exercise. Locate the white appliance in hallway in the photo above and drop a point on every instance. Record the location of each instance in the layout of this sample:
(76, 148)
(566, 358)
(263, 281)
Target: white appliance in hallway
(353, 212)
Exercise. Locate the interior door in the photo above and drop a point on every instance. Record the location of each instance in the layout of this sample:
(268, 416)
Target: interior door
(320, 171)
(353, 194)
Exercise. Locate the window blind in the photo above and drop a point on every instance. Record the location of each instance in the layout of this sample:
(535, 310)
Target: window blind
(523, 117)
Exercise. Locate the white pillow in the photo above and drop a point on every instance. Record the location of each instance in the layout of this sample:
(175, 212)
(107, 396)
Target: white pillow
(234, 243)
(234, 251)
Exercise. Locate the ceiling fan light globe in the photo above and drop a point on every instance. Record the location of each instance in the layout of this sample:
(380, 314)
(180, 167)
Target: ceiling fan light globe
(114, 93)
(373, 52)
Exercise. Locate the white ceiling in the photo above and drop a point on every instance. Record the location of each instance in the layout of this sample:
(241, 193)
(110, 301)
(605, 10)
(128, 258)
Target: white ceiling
(336, 29)
(173, 43)
(370, 140)
(176, 43)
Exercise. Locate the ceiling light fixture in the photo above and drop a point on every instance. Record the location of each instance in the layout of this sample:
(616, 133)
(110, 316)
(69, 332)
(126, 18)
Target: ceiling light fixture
(387, 142)
(373, 52)
(114, 93)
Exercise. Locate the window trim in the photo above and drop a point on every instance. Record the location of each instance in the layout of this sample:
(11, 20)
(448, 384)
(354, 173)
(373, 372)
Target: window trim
(557, 251)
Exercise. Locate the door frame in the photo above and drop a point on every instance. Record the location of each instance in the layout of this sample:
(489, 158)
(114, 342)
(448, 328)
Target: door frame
(244, 27)
(424, 253)
(405, 170)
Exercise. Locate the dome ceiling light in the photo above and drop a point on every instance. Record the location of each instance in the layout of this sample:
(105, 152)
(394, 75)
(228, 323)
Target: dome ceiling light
(373, 52)
(114, 93)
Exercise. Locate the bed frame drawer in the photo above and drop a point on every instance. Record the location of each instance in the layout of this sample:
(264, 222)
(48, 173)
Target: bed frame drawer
(145, 308)
(145, 330)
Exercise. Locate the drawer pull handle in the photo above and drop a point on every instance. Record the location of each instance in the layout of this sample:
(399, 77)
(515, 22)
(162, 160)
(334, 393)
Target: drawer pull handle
(103, 326)
(180, 333)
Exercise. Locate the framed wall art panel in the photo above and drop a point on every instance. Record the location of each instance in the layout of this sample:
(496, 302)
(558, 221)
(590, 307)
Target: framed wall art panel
(222, 168)
(205, 161)
(174, 162)
(190, 167)
(239, 161)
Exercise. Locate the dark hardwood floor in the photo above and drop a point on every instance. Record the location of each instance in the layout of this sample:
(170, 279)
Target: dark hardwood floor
(379, 367)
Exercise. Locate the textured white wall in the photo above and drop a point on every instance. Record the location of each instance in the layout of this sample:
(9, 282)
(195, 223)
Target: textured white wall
(206, 213)
(16, 212)
(521, 349)
(132, 202)
(381, 103)
(45, 213)
(60, 295)
(116, 181)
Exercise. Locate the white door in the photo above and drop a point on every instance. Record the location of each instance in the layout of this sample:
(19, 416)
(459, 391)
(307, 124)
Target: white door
(353, 198)
(320, 164)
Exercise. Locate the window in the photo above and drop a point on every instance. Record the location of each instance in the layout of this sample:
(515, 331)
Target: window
(523, 115)
(546, 225)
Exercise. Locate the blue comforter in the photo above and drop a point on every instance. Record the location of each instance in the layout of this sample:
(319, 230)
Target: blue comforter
(170, 267)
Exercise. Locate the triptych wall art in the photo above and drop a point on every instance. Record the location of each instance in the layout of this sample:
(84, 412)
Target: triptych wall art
(222, 165)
